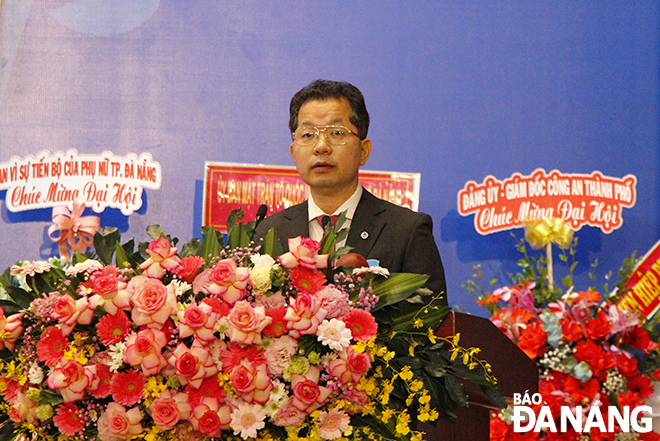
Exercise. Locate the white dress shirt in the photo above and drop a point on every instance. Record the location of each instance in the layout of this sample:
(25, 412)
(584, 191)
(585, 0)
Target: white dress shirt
(313, 211)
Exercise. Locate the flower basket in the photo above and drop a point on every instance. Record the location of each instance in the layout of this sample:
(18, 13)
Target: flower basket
(223, 341)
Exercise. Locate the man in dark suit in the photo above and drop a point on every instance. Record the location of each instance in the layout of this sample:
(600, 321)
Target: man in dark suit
(329, 123)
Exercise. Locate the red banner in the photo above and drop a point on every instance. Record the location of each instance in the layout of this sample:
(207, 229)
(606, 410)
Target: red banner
(644, 284)
(595, 200)
(229, 186)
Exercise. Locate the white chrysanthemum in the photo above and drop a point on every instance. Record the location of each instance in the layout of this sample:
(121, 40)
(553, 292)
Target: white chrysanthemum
(260, 278)
(117, 355)
(334, 334)
(247, 420)
(35, 374)
(263, 260)
(278, 396)
(180, 287)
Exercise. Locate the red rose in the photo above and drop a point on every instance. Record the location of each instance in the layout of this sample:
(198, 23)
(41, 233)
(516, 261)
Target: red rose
(532, 341)
(189, 268)
(105, 282)
(209, 423)
(598, 327)
(186, 365)
(306, 391)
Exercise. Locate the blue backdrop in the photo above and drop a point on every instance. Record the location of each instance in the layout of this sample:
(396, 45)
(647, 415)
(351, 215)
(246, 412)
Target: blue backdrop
(457, 90)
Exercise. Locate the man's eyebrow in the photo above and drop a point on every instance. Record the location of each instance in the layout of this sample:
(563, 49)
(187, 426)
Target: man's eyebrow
(333, 121)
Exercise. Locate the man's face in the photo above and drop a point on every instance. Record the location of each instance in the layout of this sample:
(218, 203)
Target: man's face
(326, 169)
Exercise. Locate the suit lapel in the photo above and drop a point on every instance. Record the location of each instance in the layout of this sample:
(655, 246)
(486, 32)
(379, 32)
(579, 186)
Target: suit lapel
(297, 224)
(366, 225)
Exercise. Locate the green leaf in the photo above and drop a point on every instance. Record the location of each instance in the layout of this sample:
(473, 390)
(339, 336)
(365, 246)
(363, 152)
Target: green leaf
(20, 296)
(121, 258)
(456, 391)
(155, 232)
(212, 243)
(104, 243)
(494, 396)
(192, 248)
(234, 217)
(237, 237)
(10, 307)
(271, 245)
(397, 287)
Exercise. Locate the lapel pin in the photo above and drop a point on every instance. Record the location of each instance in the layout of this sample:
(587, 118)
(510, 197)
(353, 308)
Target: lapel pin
(364, 235)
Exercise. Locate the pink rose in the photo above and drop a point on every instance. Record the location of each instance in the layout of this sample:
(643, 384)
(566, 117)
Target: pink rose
(193, 365)
(350, 365)
(305, 314)
(209, 417)
(228, 281)
(144, 348)
(71, 379)
(13, 326)
(109, 291)
(251, 381)
(303, 252)
(117, 424)
(168, 410)
(246, 323)
(153, 302)
(69, 312)
(307, 394)
(163, 257)
(23, 408)
(198, 321)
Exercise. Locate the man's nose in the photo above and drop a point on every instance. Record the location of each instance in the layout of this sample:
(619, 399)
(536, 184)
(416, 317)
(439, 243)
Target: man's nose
(322, 146)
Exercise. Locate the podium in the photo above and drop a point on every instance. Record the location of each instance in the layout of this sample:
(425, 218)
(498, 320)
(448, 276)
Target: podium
(515, 373)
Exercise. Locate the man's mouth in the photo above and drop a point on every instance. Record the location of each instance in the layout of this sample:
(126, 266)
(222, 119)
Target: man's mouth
(322, 166)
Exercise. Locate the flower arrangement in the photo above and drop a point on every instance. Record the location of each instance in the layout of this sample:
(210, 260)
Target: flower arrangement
(590, 352)
(215, 342)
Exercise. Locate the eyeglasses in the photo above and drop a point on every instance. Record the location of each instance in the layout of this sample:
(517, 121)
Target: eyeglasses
(335, 135)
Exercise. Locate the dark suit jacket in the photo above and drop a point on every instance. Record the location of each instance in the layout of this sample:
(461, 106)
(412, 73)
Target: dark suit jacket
(401, 239)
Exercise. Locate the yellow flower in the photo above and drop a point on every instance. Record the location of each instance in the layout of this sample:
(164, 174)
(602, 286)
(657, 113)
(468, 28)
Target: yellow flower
(416, 385)
(390, 355)
(424, 399)
(418, 323)
(456, 338)
(431, 336)
(406, 373)
(411, 349)
(402, 422)
(386, 415)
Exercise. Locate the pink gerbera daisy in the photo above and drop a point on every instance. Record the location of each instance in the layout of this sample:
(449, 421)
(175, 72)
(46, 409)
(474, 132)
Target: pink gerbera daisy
(127, 387)
(334, 334)
(362, 324)
(69, 419)
(247, 420)
(333, 423)
(52, 345)
(307, 280)
(113, 328)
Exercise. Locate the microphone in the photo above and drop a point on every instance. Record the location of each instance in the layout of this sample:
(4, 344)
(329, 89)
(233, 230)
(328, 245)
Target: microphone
(261, 214)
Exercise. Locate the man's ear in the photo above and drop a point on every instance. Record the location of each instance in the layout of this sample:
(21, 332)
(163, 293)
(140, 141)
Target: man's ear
(365, 144)
(291, 153)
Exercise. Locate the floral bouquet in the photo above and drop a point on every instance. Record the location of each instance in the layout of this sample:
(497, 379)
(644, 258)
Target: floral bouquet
(222, 342)
(589, 351)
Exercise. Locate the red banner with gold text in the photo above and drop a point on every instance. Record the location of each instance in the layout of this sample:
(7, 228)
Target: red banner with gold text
(229, 186)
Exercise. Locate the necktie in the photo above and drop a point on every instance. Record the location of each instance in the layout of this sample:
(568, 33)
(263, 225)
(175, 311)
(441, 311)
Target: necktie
(324, 219)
